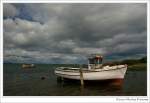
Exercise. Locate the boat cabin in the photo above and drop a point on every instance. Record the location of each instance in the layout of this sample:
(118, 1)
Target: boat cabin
(95, 62)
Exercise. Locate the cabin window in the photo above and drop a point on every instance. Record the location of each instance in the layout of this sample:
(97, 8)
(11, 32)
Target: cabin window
(91, 61)
(95, 61)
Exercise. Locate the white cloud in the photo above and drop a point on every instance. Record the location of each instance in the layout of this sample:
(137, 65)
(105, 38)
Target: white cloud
(45, 12)
(89, 50)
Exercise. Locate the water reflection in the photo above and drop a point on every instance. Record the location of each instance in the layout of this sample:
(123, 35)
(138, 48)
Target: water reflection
(93, 88)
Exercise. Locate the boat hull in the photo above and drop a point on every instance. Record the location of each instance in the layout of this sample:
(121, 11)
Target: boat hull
(94, 75)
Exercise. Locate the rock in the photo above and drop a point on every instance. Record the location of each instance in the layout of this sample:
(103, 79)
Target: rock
(42, 78)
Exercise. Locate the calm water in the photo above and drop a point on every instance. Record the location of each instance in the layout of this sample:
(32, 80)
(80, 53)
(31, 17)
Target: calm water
(28, 82)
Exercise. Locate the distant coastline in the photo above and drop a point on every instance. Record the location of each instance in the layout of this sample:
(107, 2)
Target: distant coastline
(133, 64)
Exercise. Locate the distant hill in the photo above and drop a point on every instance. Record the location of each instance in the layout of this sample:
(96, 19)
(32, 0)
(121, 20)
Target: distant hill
(129, 61)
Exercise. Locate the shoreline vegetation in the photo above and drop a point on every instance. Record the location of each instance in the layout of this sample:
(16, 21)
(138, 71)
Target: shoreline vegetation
(133, 64)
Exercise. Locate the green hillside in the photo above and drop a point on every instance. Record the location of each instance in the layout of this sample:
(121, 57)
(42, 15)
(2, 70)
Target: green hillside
(133, 64)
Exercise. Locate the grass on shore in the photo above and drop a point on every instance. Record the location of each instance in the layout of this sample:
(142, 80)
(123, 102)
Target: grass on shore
(138, 66)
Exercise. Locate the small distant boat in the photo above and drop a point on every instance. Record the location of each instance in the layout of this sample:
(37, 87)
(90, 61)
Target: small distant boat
(28, 65)
(94, 71)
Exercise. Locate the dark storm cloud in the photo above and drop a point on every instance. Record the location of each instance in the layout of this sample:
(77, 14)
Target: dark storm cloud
(59, 32)
(10, 10)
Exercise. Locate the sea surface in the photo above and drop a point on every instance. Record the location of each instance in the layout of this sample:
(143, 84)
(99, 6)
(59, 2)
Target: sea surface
(41, 81)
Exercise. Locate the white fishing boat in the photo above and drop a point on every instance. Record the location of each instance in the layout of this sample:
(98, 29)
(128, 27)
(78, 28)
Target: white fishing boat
(94, 71)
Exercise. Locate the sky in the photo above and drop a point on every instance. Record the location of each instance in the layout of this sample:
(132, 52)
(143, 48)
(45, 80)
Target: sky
(69, 33)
